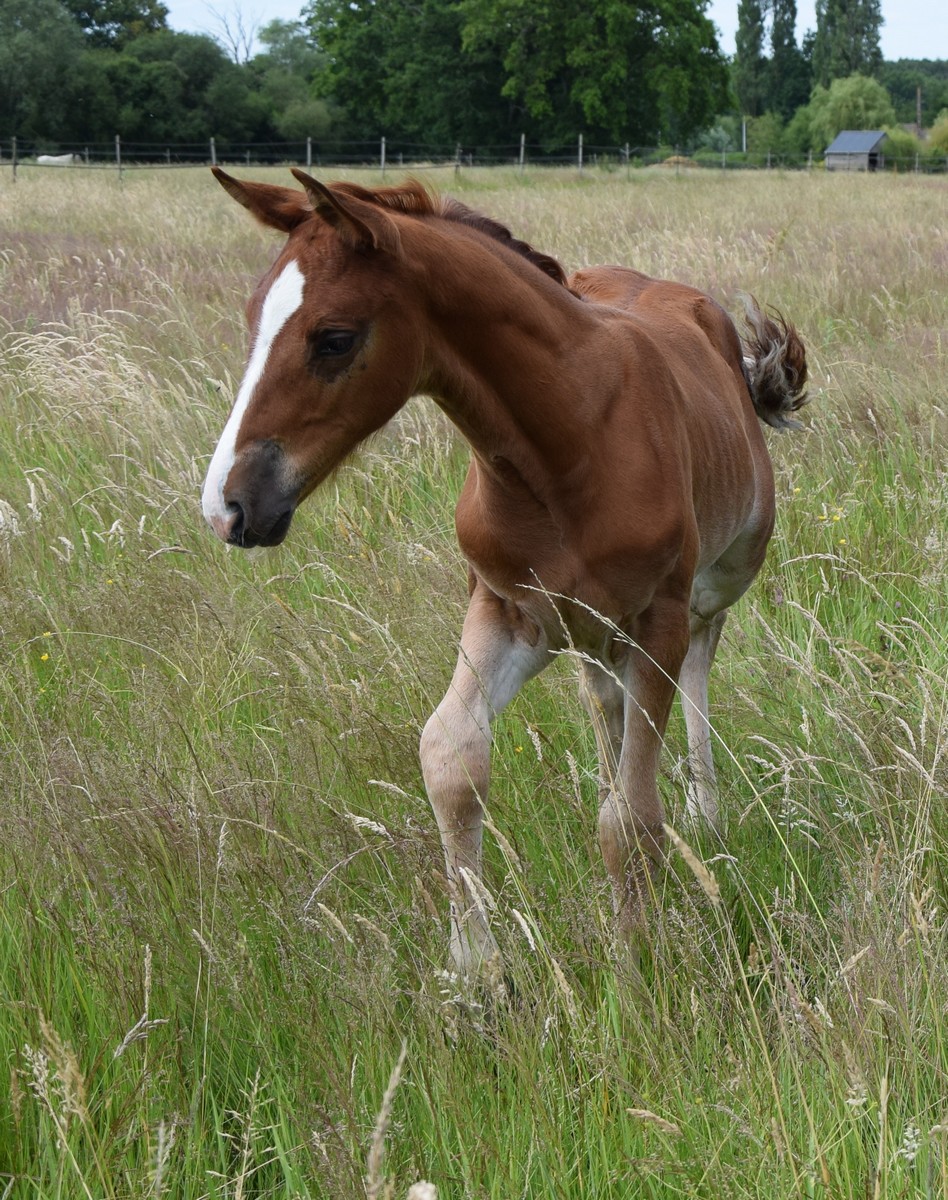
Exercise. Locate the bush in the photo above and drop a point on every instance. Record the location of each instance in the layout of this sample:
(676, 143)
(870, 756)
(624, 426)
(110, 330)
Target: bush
(937, 144)
(798, 132)
(901, 148)
(765, 135)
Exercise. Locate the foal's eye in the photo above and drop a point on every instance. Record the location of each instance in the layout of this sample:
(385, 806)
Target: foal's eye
(334, 343)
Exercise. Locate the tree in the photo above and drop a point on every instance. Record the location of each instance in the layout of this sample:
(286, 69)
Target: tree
(847, 39)
(798, 134)
(750, 66)
(235, 32)
(901, 80)
(620, 70)
(286, 70)
(788, 73)
(114, 23)
(215, 95)
(401, 68)
(853, 103)
(165, 88)
(439, 89)
(40, 47)
(684, 70)
(765, 134)
(355, 39)
(289, 48)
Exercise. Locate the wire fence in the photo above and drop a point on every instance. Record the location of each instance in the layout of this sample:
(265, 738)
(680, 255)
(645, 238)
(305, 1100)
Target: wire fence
(385, 154)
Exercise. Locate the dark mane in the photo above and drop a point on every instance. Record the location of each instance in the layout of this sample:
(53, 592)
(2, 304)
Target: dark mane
(414, 199)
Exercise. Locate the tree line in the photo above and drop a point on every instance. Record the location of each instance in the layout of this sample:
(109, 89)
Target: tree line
(795, 98)
(475, 73)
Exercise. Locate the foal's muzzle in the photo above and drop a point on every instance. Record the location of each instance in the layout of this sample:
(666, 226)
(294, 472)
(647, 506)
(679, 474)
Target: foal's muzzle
(260, 496)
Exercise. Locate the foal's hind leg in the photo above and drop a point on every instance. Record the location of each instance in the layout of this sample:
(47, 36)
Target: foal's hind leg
(631, 819)
(496, 658)
(714, 590)
(702, 799)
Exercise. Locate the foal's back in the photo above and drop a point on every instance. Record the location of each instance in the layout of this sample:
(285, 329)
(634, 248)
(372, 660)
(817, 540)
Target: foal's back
(666, 309)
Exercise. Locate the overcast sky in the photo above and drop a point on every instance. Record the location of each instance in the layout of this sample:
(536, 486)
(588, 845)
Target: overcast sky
(912, 28)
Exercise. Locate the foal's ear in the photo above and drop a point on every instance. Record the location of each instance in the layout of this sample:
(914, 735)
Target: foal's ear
(362, 224)
(279, 207)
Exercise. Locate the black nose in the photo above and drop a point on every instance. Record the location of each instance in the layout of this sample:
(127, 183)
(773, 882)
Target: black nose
(266, 529)
(260, 496)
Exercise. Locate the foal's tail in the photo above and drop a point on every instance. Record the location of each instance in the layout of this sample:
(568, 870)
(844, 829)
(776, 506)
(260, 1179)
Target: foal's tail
(774, 366)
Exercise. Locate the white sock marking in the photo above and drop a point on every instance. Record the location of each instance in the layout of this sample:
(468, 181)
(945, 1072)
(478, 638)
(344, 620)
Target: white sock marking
(283, 299)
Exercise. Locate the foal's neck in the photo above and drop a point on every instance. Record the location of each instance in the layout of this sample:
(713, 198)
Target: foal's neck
(505, 348)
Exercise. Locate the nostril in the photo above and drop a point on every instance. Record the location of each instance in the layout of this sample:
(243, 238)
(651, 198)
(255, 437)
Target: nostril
(235, 534)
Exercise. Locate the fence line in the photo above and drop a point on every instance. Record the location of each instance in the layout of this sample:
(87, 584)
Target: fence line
(390, 153)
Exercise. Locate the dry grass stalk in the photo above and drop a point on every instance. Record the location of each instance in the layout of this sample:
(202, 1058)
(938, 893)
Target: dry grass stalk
(72, 1084)
(374, 1179)
(645, 1114)
(568, 996)
(709, 885)
(138, 1032)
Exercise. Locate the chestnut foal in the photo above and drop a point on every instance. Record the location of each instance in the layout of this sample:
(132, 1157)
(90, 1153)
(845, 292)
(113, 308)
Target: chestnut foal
(620, 495)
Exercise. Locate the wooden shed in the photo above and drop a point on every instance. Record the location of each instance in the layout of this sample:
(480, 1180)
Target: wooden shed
(855, 150)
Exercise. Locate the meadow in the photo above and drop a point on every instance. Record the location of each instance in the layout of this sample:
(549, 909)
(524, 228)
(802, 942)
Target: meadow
(223, 921)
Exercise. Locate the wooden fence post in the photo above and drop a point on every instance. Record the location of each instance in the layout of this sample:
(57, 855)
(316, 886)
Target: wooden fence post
(382, 155)
(580, 154)
(13, 153)
(118, 154)
(213, 153)
(309, 154)
(523, 151)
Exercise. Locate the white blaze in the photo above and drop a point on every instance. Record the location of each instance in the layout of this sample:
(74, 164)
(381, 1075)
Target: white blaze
(283, 299)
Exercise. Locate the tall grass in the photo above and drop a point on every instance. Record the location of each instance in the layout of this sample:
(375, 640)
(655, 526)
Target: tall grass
(223, 914)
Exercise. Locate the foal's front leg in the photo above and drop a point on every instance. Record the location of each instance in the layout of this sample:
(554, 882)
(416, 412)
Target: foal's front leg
(604, 701)
(495, 659)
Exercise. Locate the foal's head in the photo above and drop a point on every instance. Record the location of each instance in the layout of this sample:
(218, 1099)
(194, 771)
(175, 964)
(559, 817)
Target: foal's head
(335, 352)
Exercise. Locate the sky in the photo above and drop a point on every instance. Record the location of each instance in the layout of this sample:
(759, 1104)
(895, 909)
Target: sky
(205, 16)
(911, 29)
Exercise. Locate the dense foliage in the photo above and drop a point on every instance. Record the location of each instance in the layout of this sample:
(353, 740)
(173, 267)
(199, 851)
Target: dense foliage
(435, 74)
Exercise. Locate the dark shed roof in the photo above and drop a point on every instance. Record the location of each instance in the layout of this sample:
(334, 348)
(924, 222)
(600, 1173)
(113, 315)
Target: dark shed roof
(856, 141)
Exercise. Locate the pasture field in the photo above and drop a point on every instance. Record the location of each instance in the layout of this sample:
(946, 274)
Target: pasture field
(222, 914)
